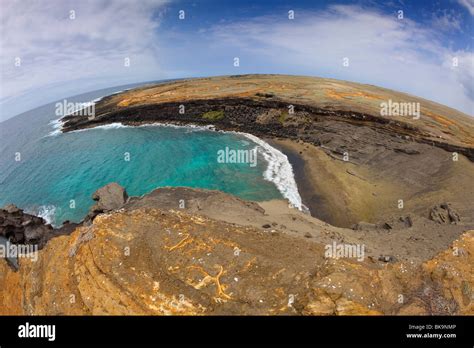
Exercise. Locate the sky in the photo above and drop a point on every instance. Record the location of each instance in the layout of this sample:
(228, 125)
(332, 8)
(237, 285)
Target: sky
(54, 49)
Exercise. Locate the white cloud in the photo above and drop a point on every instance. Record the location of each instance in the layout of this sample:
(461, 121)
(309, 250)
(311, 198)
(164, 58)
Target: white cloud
(447, 20)
(55, 49)
(468, 4)
(63, 57)
(382, 50)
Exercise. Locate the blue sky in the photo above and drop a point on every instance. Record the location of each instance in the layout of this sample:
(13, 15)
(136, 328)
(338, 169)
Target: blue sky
(61, 56)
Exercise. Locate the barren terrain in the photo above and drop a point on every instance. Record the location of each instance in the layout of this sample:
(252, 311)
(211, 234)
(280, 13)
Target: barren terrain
(401, 187)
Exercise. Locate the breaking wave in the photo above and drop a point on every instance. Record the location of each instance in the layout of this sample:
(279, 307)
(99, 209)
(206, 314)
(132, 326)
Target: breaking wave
(190, 128)
(57, 124)
(57, 127)
(47, 212)
(279, 171)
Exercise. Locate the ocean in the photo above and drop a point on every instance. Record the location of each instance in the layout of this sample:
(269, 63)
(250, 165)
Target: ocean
(53, 175)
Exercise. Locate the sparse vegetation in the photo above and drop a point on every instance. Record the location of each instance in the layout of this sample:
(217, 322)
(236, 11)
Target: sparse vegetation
(214, 115)
(283, 117)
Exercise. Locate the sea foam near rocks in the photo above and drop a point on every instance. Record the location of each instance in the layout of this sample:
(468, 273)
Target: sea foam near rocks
(279, 171)
(114, 125)
(47, 212)
(57, 124)
(57, 127)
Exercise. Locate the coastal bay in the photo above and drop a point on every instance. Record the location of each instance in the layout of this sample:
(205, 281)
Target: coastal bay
(384, 188)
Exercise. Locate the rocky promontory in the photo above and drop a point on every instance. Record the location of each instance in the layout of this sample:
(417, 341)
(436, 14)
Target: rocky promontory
(393, 191)
(19, 227)
(149, 256)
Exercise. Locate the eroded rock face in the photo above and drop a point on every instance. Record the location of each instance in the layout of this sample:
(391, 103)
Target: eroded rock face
(444, 214)
(22, 228)
(22, 231)
(11, 260)
(109, 197)
(151, 261)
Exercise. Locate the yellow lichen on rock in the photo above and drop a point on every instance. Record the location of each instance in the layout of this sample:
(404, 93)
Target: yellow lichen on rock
(153, 262)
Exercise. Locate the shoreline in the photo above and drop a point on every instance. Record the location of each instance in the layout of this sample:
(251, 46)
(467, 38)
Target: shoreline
(310, 197)
(276, 171)
(339, 193)
(350, 164)
(326, 186)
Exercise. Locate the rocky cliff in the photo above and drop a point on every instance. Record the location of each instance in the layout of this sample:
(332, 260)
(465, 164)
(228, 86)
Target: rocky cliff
(144, 259)
(398, 188)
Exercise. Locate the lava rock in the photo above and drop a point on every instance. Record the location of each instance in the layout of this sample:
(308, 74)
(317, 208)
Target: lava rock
(387, 258)
(22, 228)
(12, 209)
(444, 214)
(364, 226)
(110, 197)
(11, 261)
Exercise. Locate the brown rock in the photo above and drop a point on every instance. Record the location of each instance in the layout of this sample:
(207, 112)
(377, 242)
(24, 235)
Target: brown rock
(444, 214)
(22, 228)
(110, 197)
(12, 209)
(147, 261)
(364, 226)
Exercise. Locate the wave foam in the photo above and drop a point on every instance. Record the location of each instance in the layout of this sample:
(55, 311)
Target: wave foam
(47, 212)
(114, 125)
(190, 127)
(57, 127)
(57, 124)
(279, 171)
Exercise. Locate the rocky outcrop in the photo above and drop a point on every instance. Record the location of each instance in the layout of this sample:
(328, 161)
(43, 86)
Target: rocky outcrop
(21, 228)
(444, 214)
(156, 262)
(24, 233)
(109, 197)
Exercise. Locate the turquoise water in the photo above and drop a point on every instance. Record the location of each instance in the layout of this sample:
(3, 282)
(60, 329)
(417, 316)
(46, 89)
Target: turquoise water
(55, 171)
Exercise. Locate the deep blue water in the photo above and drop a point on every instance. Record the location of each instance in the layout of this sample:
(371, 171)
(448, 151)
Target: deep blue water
(57, 170)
